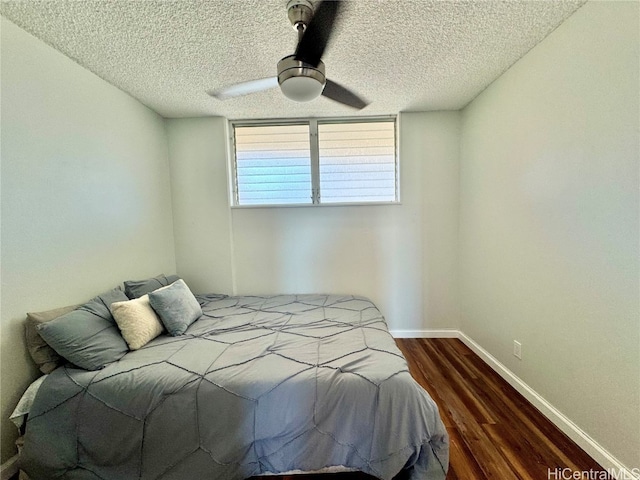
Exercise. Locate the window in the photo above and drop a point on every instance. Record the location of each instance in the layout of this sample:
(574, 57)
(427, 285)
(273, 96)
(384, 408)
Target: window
(313, 162)
(273, 165)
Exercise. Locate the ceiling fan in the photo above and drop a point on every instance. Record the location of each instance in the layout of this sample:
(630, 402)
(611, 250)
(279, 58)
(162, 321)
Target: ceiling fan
(301, 76)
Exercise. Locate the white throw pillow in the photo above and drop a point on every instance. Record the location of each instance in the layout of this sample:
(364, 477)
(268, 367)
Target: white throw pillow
(137, 321)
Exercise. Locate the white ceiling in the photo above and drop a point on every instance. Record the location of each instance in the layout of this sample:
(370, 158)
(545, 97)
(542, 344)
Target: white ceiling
(410, 55)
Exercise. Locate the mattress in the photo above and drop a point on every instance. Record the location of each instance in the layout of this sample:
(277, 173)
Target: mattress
(257, 385)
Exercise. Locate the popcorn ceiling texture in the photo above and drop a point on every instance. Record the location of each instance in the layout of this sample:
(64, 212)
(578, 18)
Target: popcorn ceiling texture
(412, 55)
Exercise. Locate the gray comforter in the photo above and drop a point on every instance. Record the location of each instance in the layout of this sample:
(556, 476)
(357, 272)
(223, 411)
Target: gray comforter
(256, 385)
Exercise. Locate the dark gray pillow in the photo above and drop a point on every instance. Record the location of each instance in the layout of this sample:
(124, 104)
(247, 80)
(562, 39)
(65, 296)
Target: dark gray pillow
(43, 355)
(88, 336)
(137, 288)
(176, 306)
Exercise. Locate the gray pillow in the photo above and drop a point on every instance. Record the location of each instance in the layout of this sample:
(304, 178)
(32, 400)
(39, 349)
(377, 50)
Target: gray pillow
(43, 355)
(137, 288)
(176, 306)
(88, 336)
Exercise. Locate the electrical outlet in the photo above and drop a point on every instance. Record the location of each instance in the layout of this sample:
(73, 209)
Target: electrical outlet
(517, 349)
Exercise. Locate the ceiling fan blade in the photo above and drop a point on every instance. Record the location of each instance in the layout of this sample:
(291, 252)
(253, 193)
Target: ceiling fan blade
(245, 88)
(338, 93)
(316, 35)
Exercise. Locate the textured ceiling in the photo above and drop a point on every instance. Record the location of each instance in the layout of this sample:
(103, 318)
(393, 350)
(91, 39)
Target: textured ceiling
(411, 55)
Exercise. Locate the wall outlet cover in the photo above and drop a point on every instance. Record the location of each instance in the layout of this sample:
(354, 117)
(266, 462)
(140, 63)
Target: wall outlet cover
(517, 349)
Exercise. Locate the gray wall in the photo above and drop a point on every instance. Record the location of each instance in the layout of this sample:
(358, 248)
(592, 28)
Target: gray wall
(549, 222)
(85, 195)
(401, 256)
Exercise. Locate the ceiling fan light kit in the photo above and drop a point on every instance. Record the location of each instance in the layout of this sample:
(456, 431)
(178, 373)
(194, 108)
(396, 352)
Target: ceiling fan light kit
(300, 81)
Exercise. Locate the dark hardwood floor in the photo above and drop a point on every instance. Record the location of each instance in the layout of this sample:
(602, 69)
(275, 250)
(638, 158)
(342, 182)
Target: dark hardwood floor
(495, 433)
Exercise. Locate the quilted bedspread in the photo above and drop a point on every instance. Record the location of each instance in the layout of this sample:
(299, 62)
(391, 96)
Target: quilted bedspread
(256, 385)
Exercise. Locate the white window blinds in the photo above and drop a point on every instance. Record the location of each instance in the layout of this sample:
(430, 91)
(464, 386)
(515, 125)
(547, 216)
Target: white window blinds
(273, 165)
(304, 162)
(357, 162)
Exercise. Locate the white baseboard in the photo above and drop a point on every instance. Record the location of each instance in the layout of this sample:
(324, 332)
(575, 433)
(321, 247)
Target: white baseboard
(588, 444)
(441, 333)
(9, 468)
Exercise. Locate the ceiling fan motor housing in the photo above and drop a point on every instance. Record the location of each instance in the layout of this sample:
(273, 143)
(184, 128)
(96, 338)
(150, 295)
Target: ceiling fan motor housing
(300, 81)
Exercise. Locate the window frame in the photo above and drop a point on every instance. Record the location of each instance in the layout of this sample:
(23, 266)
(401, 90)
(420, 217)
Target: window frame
(314, 158)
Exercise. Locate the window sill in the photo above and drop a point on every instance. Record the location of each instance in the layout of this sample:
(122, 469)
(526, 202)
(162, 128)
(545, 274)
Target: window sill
(316, 205)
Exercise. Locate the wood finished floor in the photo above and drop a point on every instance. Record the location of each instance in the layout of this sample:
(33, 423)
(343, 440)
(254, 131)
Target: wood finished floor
(495, 433)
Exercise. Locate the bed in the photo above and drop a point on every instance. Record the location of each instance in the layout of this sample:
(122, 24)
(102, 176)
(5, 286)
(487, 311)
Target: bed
(257, 385)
